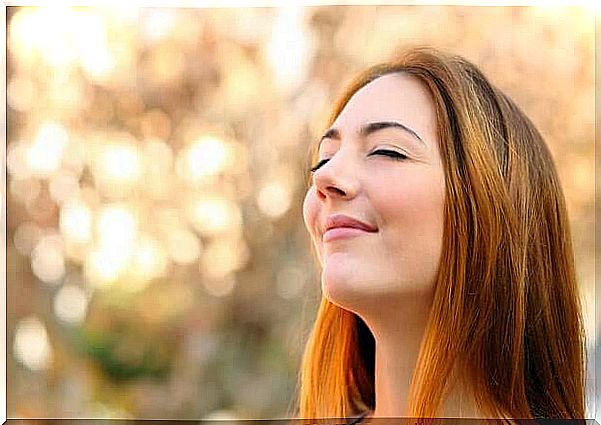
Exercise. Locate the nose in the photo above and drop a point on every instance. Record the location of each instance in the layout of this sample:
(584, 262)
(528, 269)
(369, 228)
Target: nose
(336, 179)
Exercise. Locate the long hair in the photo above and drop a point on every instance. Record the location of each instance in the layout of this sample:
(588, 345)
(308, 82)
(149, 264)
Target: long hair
(506, 310)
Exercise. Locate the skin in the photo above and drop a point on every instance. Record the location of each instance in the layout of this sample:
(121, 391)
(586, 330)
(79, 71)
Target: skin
(386, 277)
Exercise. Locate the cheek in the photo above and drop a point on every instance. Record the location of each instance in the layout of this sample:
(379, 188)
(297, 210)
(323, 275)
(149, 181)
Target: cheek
(310, 211)
(414, 213)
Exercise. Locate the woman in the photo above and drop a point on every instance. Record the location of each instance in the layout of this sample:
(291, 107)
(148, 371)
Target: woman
(448, 276)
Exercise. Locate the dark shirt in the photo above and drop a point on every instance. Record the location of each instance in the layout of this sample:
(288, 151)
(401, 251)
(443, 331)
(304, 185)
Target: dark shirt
(358, 418)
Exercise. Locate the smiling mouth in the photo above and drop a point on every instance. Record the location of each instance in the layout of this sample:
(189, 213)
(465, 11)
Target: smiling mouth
(339, 233)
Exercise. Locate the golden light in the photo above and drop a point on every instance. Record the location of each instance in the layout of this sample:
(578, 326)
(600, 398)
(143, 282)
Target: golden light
(92, 45)
(159, 155)
(44, 155)
(241, 84)
(21, 93)
(119, 163)
(224, 256)
(158, 23)
(42, 32)
(74, 157)
(183, 247)
(31, 345)
(75, 221)
(116, 230)
(274, 199)
(63, 185)
(16, 160)
(204, 158)
(48, 259)
(558, 7)
(20, 43)
(149, 258)
(215, 216)
(169, 219)
(47, 32)
(103, 266)
(158, 162)
(70, 304)
(289, 48)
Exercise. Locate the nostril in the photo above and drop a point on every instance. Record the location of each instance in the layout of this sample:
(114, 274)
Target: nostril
(336, 190)
(332, 191)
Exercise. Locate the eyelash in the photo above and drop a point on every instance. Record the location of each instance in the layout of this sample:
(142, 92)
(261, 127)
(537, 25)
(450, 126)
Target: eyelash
(392, 154)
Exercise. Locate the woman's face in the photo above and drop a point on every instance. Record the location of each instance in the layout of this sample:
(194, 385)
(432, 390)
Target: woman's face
(383, 168)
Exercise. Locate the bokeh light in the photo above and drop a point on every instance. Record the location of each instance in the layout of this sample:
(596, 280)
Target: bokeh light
(31, 345)
(149, 258)
(70, 304)
(183, 247)
(274, 199)
(215, 216)
(48, 259)
(289, 48)
(76, 221)
(204, 158)
(44, 155)
(26, 237)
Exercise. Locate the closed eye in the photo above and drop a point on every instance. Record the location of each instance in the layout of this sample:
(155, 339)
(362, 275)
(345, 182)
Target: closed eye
(392, 154)
(383, 152)
(318, 165)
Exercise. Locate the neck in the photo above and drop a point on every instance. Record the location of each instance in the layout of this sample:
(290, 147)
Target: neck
(398, 334)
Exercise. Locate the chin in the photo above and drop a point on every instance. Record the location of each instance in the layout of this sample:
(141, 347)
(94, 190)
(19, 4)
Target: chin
(344, 287)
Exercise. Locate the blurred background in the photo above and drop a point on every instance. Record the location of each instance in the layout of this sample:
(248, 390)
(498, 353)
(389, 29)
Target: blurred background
(157, 261)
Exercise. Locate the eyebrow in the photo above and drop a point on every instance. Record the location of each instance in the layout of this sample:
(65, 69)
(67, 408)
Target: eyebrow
(369, 128)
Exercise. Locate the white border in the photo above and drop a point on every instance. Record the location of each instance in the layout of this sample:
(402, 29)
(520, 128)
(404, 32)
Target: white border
(3, 287)
(593, 5)
(590, 4)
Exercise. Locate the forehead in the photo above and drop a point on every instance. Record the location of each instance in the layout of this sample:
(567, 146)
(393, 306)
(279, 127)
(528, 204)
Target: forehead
(392, 97)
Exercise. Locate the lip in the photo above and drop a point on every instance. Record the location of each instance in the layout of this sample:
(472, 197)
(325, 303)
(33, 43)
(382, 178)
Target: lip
(343, 226)
(343, 233)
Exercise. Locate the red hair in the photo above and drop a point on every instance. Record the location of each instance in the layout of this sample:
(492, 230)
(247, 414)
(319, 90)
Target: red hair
(507, 267)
